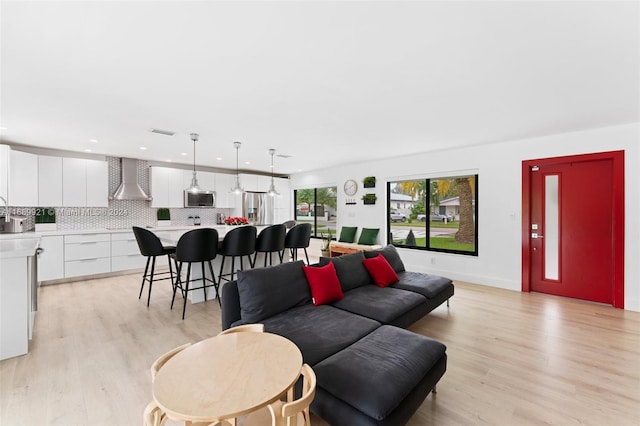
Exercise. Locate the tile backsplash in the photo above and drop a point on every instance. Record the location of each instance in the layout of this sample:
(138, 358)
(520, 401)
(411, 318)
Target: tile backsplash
(121, 213)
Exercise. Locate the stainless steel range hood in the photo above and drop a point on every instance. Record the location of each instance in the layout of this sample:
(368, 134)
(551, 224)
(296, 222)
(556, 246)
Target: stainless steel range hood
(129, 188)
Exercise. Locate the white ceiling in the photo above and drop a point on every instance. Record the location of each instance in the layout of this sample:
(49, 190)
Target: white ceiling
(326, 82)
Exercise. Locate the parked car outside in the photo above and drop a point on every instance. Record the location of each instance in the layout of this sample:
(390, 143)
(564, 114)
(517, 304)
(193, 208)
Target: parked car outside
(435, 217)
(396, 216)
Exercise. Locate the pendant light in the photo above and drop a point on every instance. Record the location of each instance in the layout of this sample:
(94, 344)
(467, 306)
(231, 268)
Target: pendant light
(272, 189)
(237, 189)
(194, 180)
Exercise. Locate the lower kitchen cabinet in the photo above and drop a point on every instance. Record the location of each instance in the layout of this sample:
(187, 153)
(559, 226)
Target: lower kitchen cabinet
(125, 253)
(51, 259)
(87, 254)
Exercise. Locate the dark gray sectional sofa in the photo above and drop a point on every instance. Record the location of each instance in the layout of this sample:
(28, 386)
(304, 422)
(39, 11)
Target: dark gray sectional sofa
(370, 371)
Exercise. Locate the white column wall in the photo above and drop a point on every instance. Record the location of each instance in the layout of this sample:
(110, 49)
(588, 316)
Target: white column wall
(499, 167)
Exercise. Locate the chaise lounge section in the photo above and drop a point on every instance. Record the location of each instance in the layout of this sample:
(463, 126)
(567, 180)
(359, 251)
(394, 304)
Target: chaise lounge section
(370, 371)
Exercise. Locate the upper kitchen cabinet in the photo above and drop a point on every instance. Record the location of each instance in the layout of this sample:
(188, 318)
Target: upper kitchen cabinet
(97, 183)
(206, 180)
(49, 181)
(23, 179)
(85, 183)
(225, 199)
(167, 187)
(255, 183)
(4, 171)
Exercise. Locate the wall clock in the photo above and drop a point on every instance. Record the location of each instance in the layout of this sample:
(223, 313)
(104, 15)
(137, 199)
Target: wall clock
(350, 187)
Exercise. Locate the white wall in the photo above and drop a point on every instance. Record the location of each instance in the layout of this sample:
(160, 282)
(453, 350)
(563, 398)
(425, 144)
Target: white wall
(500, 201)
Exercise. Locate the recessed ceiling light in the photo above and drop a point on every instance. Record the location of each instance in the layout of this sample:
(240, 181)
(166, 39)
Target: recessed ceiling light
(93, 140)
(299, 170)
(219, 158)
(143, 148)
(168, 161)
(3, 128)
(87, 150)
(183, 153)
(247, 162)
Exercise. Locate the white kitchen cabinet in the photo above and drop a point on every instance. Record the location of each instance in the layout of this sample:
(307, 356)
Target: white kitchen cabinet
(49, 181)
(51, 259)
(97, 181)
(23, 179)
(87, 254)
(283, 208)
(167, 187)
(255, 183)
(125, 253)
(159, 187)
(223, 184)
(85, 183)
(4, 171)
(74, 186)
(176, 187)
(14, 307)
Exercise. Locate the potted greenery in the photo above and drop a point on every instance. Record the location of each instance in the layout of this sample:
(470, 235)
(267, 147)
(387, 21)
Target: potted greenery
(45, 219)
(164, 217)
(369, 182)
(369, 198)
(326, 242)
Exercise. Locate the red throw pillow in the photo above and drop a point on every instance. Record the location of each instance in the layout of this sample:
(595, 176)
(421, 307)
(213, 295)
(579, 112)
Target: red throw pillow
(381, 271)
(324, 284)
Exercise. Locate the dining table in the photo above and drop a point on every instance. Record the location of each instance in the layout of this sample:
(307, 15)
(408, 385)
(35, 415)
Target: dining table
(227, 376)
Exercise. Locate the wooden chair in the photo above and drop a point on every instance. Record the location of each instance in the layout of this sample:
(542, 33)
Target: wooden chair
(256, 328)
(292, 413)
(157, 365)
(153, 415)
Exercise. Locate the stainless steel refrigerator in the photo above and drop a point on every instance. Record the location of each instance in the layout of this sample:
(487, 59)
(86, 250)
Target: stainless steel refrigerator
(258, 208)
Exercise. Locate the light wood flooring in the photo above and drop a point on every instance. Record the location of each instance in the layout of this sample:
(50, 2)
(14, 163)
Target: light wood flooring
(514, 358)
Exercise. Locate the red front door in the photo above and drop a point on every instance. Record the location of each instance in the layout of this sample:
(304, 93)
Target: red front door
(571, 229)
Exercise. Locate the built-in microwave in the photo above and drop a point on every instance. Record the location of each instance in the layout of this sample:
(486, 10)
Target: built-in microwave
(200, 199)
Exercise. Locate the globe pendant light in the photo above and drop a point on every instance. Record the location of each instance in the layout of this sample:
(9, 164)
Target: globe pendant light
(194, 180)
(272, 189)
(237, 189)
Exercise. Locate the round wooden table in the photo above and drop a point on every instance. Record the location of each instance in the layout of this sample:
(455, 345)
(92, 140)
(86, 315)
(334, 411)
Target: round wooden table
(227, 376)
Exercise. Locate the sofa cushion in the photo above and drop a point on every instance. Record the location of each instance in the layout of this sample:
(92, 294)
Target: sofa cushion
(377, 373)
(351, 272)
(427, 285)
(381, 304)
(265, 292)
(391, 254)
(324, 283)
(368, 236)
(348, 234)
(319, 331)
(381, 272)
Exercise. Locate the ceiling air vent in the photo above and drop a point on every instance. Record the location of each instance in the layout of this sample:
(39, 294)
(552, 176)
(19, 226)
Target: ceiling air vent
(162, 132)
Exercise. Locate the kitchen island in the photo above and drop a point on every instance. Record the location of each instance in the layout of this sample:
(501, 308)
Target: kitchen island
(18, 294)
(171, 237)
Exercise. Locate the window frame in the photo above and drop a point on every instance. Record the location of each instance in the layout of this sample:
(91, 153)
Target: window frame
(428, 181)
(314, 231)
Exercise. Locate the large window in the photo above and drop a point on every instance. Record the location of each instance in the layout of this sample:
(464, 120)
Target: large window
(319, 207)
(434, 214)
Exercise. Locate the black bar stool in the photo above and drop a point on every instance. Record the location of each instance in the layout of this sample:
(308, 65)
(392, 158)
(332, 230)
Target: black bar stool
(238, 242)
(270, 239)
(151, 246)
(196, 246)
(298, 237)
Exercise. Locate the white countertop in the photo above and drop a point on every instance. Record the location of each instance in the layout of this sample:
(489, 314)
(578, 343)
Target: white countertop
(33, 234)
(18, 247)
